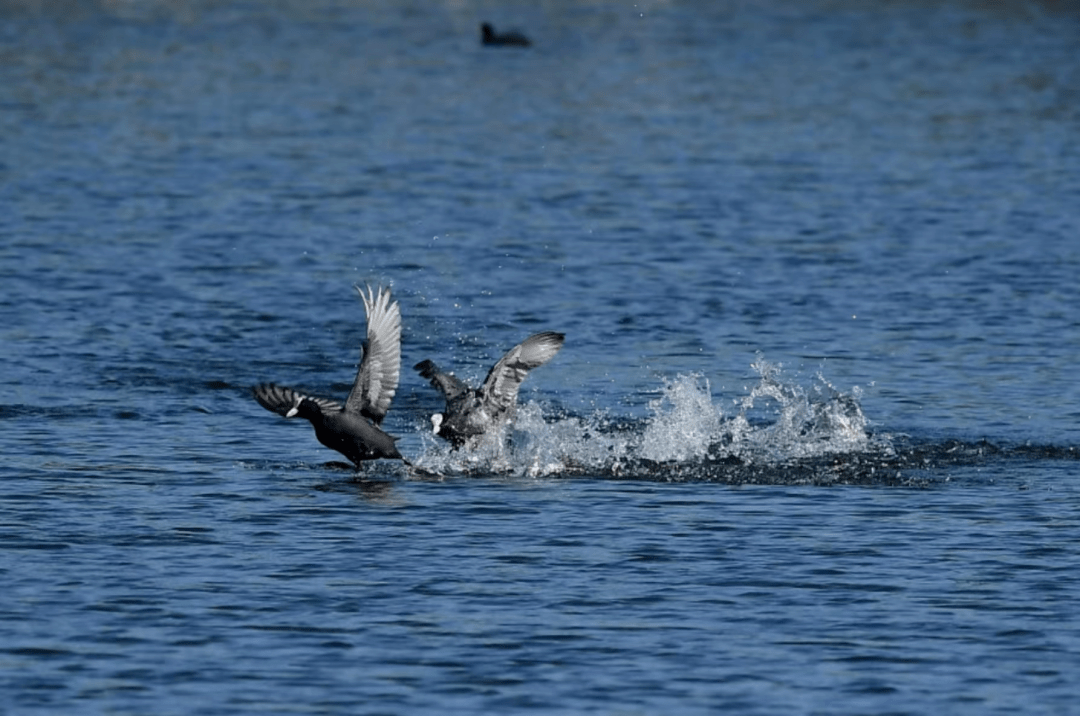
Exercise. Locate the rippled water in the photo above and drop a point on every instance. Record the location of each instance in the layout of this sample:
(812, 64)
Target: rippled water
(811, 446)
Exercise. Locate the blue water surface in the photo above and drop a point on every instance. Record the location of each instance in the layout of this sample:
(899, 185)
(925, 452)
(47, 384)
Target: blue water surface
(811, 445)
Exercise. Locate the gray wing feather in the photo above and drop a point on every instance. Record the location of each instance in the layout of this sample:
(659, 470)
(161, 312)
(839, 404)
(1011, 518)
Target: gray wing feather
(380, 364)
(503, 381)
(279, 399)
(448, 384)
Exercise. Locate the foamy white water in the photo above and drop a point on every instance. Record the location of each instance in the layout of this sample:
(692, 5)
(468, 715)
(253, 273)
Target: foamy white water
(777, 421)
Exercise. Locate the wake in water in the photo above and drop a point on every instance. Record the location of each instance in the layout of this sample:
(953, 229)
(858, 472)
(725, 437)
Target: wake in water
(778, 433)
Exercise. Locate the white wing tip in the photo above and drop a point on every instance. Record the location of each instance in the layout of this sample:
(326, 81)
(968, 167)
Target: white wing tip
(377, 305)
(370, 297)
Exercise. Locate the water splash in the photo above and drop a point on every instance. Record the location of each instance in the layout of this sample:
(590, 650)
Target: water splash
(534, 446)
(808, 423)
(686, 435)
(684, 424)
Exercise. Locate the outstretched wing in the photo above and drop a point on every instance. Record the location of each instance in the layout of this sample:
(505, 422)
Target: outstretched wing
(448, 384)
(500, 388)
(380, 363)
(279, 399)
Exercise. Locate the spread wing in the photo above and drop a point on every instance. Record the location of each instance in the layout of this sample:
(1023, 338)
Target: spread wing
(500, 388)
(448, 384)
(380, 364)
(279, 399)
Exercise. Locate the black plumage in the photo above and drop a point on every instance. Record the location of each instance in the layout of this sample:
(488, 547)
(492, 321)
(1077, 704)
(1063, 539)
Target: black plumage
(489, 37)
(353, 428)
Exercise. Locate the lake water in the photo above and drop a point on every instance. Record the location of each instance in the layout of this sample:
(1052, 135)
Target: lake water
(812, 445)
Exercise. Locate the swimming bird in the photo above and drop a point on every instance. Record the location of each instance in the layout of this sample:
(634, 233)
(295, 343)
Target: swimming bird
(353, 428)
(470, 411)
(488, 36)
